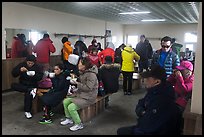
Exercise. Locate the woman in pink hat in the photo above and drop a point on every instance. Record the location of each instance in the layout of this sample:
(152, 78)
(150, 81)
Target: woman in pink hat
(182, 80)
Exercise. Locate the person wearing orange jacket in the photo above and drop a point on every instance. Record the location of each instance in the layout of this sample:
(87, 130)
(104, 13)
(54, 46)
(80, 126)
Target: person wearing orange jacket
(66, 51)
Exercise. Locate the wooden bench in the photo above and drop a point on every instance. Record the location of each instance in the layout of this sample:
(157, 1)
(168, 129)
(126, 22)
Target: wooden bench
(94, 109)
(37, 104)
(86, 113)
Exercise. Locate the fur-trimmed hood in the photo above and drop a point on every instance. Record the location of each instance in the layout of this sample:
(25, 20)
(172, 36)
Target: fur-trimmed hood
(113, 65)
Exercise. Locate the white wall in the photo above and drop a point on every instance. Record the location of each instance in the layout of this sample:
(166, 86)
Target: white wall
(159, 31)
(196, 102)
(16, 15)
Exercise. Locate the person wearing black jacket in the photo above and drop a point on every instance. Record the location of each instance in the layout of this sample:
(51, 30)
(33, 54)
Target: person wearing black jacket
(27, 83)
(144, 49)
(55, 95)
(109, 75)
(157, 112)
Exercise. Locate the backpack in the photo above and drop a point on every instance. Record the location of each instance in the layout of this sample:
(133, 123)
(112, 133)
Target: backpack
(45, 83)
(101, 91)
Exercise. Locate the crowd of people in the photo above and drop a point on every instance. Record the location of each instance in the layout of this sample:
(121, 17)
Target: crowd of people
(168, 81)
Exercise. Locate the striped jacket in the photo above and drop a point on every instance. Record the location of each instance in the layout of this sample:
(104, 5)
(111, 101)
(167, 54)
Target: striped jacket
(172, 60)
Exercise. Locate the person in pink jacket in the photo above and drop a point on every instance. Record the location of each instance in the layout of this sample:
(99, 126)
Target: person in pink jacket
(43, 48)
(182, 81)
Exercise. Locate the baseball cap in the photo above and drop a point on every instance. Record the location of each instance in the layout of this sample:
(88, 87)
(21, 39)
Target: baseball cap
(156, 71)
(185, 65)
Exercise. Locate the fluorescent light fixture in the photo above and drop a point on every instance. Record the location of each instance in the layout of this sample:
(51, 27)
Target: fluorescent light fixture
(149, 20)
(139, 12)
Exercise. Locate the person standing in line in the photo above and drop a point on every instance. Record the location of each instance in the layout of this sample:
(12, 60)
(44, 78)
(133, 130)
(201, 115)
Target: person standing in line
(165, 57)
(144, 50)
(93, 56)
(128, 58)
(80, 48)
(27, 82)
(66, 51)
(43, 48)
(108, 51)
(87, 85)
(118, 51)
(93, 44)
(176, 47)
(17, 47)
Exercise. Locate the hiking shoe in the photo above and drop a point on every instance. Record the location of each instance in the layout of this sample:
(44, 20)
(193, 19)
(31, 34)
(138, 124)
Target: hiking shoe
(33, 92)
(28, 115)
(45, 121)
(76, 127)
(66, 122)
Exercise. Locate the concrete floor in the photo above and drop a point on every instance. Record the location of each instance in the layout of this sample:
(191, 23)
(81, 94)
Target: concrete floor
(119, 113)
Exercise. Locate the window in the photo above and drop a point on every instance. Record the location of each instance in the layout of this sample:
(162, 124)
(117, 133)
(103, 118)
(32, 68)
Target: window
(34, 36)
(114, 39)
(132, 40)
(190, 41)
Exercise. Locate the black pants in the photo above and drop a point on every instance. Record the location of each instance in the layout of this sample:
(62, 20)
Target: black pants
(27, 97)
(127, 81)
(143, 64)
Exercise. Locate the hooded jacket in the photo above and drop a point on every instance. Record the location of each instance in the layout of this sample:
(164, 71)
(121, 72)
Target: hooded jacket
(183, 88)
(87, 88)
(109, 51)
(66, 50)
(43, 48)
(128, 57)
(109, 75)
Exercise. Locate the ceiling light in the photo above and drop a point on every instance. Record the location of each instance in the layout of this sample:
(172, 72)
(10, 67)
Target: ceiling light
(139, 12)
(152, 20)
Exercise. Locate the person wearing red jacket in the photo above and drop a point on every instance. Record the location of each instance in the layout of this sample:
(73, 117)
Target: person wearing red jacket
(182, 80)
(43, 48)
(93, 56)
(17, 47)
(109, 51)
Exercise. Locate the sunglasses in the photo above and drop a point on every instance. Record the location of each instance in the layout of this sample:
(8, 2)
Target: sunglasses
(165, 46)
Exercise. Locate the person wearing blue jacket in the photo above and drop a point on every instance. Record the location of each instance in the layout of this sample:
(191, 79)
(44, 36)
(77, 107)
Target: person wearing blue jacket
(165, 57)
(157, 112)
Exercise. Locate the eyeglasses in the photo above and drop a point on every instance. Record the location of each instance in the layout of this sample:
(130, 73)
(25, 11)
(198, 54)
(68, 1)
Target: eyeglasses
(165, 46)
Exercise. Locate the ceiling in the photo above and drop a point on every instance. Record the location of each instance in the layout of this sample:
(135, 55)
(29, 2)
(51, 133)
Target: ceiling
(172, 12)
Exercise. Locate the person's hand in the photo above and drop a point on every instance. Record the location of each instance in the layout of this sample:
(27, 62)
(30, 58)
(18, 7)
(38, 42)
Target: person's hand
(73, 81)
(23, 69)
(178, 73)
